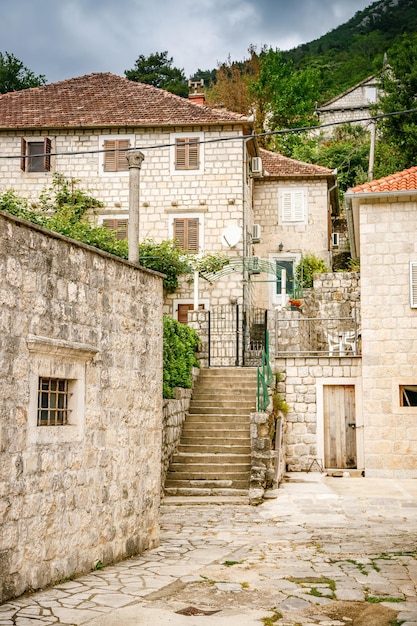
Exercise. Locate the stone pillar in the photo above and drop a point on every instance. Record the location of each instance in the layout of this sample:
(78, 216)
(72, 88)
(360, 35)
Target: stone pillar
(135, 158)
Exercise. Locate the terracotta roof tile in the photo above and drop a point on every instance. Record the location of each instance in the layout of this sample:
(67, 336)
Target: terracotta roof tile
(277, 165)
(401, 181)
(103, 100)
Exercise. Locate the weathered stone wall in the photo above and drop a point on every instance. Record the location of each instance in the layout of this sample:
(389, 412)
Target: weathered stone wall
(301, 377)
(88, 491)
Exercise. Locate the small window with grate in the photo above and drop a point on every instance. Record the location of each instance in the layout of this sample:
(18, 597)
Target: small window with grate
(53, 399)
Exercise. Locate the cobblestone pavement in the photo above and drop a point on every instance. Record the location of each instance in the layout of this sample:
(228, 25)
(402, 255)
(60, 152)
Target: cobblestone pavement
(326, 551)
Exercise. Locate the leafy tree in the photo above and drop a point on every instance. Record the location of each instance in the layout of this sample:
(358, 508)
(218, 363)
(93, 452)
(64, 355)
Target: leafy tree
(232, 88)
(346, 150)
(14, 76)
(398, 133)
(287, 97)
(157, 70)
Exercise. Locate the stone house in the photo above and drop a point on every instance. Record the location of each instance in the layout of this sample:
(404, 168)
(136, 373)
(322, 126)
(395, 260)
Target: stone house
(383, 234)
(202, 181)
(353, 104)
(81, 409)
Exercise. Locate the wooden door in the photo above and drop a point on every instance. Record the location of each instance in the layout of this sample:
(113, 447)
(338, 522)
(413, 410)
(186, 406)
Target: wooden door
(183, 311)
(339, 426)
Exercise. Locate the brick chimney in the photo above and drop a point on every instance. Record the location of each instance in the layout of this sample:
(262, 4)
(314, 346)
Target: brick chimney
(197, 96)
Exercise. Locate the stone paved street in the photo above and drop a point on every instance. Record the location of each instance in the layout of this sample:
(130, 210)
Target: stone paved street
(326, 551)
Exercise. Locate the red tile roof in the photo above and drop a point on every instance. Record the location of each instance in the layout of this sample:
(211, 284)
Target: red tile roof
(277, 165)
(103, 100)
(401, 181)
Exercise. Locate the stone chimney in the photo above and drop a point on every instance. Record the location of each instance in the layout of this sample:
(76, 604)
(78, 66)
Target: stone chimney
(198, 95)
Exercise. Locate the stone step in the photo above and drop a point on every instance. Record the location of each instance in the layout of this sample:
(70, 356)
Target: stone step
(211, 459)
(228, 419)
(206, 483)
(198, 445)
(180, 471)
(219, 404)
(223, 410)
(195, 495)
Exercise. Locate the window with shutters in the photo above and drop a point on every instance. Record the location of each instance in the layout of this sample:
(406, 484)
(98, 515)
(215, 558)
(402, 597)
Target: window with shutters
(182, 311)
(35, 155)
(113, 154)
(186, 233)
(413, 284)
(187, 153)
(292, 206)
(120, 226)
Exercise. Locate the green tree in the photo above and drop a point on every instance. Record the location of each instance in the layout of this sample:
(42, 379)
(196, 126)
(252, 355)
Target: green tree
(346, 150)
(14, 76)
(287, 97)
(397, 134)
(157, 70)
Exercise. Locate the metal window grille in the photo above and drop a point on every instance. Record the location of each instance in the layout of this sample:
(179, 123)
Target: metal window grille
(53, 396)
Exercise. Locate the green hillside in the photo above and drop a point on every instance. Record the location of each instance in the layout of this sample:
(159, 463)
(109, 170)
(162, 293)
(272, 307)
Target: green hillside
(356, 49)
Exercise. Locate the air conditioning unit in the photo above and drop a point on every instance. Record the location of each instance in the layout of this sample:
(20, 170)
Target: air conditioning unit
(256, 166)
(335, 239)
(256, 233)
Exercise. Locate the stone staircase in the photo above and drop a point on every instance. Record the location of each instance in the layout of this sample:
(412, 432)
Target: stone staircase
(214, 455)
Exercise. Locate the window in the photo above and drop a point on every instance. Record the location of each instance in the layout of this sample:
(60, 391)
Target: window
(183, 311)
(292, 206)
(57, 394)
(408, 395)
(35, 155)
(53, 396)
(186, 233)
(115, 155)
(120, 226)
(187, 153)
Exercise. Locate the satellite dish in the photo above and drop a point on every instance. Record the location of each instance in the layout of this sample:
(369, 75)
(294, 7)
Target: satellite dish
(231, 236)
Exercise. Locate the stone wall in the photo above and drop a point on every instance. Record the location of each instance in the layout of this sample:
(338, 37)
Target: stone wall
(302, 378)
(388, 245)
(87, 491)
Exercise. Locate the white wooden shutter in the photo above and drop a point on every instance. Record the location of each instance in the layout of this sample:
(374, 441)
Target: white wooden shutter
(413, 284)
(293, 205)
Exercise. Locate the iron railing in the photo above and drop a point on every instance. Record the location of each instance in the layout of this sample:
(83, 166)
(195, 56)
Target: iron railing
(304, 336)
(265, 378)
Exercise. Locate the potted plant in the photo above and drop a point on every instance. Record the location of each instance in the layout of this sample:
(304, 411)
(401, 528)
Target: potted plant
(295, 303)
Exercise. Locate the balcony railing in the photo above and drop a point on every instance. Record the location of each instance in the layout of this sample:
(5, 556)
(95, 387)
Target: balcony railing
(297, 335)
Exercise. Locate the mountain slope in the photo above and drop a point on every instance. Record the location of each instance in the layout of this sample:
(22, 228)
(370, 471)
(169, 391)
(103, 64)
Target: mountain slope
(356, 49)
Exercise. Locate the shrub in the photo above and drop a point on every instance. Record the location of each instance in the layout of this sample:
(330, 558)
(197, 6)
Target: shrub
(308, 266)
(180, 345)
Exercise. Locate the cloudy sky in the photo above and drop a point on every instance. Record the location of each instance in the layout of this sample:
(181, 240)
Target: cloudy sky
(66, 38)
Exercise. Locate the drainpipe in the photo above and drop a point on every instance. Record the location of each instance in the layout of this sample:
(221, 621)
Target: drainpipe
(135, 158)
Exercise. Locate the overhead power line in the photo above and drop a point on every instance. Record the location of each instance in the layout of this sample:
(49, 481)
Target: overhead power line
(271, 133)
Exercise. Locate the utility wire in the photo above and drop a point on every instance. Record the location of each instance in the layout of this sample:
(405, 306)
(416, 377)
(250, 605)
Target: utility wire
(218, 139)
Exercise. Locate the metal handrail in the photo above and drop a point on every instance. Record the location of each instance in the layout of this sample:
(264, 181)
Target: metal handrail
(265, 378)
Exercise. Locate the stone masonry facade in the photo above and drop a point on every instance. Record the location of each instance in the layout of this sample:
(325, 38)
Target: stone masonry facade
(217, 195)
(88, 491)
